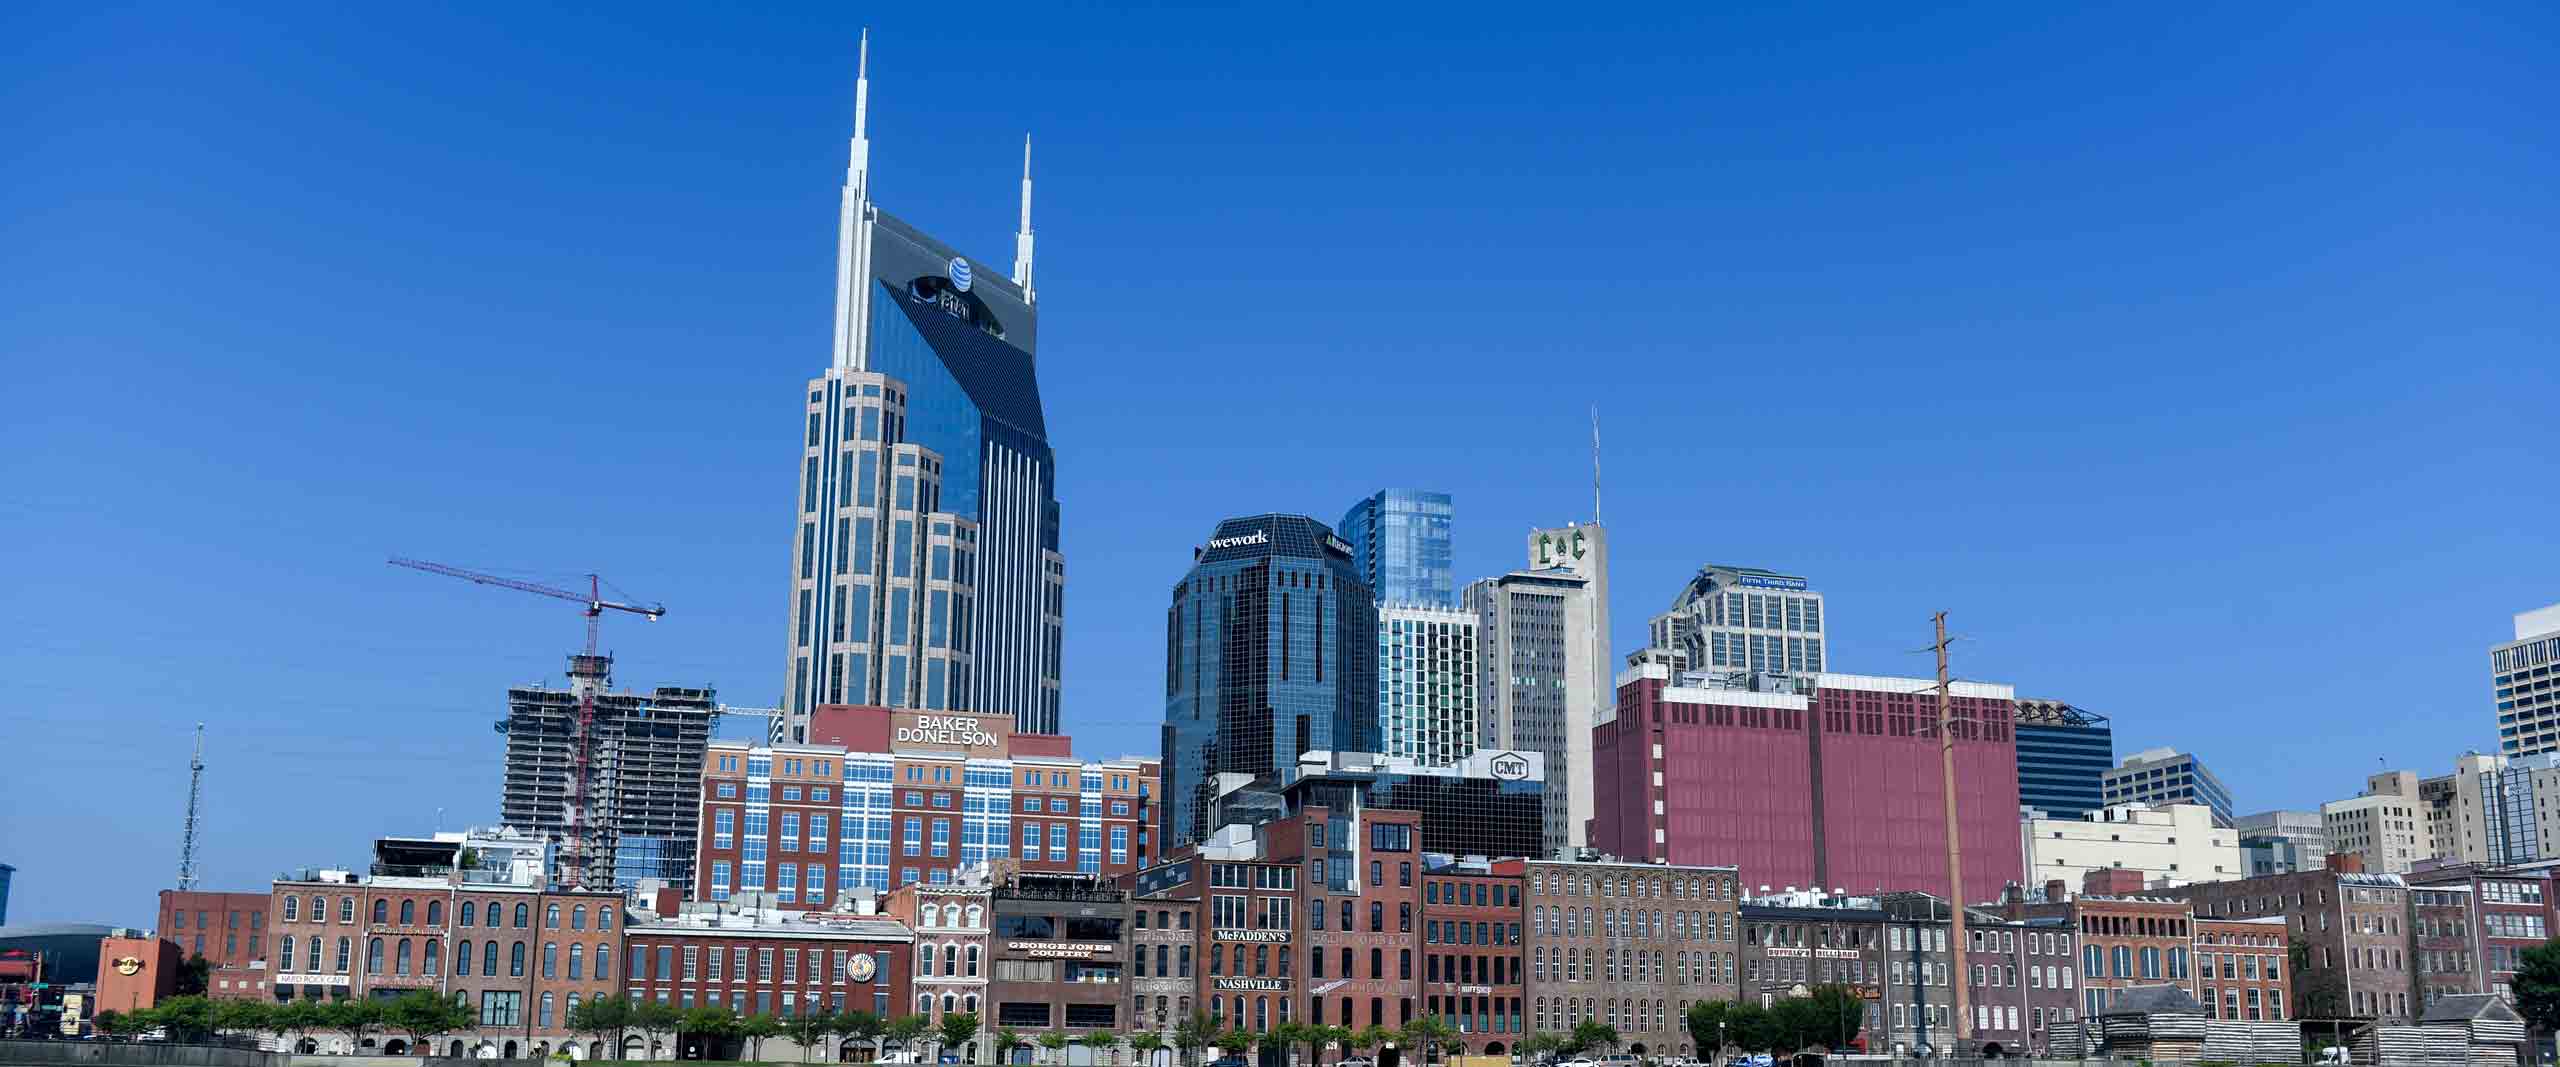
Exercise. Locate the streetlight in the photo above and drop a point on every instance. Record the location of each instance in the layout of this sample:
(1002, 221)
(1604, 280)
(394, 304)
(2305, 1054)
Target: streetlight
(808, 1022)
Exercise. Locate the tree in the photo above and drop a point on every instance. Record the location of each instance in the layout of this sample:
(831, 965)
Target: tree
(291, 1016)
(354, 1018)
(1368, 1039)
(812, 1027)
(1007, 1040)
(1193, 1034)
(1055, 1041)
(957, 1029)
(422, 1014)
(755, 1028)
(194, 977)
(1706, 1021)
(2536, 985)
(654, 1017)
(1146, 1043)
(1323, 1036)
(1432, 1033)
(1538, 1046)
(707, 1023)
(905, 1029)
(1592, 1034)
(1100, 1041)
(861, 1027)
(2319, 993)
(109, 1022)
(1752, 1027)
(605, 1018)
(232, 1016)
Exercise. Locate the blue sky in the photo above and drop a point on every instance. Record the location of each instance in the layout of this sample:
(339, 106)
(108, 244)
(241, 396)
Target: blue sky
(2197, 361)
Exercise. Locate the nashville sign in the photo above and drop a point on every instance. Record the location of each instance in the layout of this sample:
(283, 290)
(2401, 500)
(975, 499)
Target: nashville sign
(1268, 985)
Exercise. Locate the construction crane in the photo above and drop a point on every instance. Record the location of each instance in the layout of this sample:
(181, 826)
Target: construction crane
(587, 670)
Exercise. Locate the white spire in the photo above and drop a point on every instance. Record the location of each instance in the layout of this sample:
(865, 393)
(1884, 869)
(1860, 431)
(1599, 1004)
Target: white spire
(1022, 237)
(853, 226)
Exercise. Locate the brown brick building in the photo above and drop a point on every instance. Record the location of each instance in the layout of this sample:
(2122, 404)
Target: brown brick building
(1475, 961)
(1056, 948)
(2354, 924)
(771, 963)
(2241, 968)
(228, 929)
(1629, 944)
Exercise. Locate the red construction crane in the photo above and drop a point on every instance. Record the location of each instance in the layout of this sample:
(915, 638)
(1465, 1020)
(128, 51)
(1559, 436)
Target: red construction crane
(588, 669)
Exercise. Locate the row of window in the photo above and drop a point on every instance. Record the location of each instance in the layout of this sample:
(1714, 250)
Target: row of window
(394, 957)
(467, 914)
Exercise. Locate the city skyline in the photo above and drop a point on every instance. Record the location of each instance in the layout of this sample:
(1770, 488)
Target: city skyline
(644, 436)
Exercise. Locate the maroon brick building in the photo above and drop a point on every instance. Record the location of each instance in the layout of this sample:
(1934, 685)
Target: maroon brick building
(1839, 787)
(228, 929)
(770, 965)
(1474, 971)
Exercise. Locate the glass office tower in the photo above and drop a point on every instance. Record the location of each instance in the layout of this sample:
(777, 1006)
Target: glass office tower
(2063, 755)
(1400, 542)
(1271, 650)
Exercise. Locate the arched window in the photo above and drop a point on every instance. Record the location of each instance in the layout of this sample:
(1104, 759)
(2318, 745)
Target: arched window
(292, 905)
(467, 910)
(604, 960)
(314, 959)
(970, 1002)
(462, 960)
(550, 959)
(435, 913)
(577, 962)
(496, 916)
(489, 958)
(347, 910)
(924, 1003)
(284, 948)
(431, 959)
(604, 916)
(573, 1010)
(551, 917)
(400, 957)
(925, 918)
(975, 920)
(319, 909)
(949, 1003)
(544, 1019)
(408, 913)
(373, 956)
(346, 949)
(578, 917)
(524, 915)
(381, 911)
(950, 959)
(515, 960)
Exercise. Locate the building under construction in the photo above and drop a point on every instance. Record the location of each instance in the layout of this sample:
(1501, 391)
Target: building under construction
(644, 776)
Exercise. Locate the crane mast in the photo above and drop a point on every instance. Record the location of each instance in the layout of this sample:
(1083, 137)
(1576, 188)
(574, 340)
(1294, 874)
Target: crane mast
(195, 800)
(588, 672)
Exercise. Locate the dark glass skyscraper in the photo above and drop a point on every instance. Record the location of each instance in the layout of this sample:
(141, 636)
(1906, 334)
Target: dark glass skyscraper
(2063, 754)
(1271, 649)
(1399, 540)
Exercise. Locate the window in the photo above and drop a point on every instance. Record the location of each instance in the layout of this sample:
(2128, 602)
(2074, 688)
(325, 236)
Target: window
(515, 960)
(524, 915)
(381, 912)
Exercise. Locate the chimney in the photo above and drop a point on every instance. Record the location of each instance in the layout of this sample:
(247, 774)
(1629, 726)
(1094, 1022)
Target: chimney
(2346, 863)
(2054, 892)
(2013, 893)
(2112, 882)
(669, 901)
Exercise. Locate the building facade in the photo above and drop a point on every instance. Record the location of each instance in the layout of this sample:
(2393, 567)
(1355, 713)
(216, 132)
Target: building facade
(643, 760)
(2354, 924)
(1271, 652)
(1488, 804)
(2520, 679)
(766, 963)
(1839, 787)
(2443, 942)
(1474, 962)
(951, 921)
(2241, 968)
(2064, 754)
(2001, 1006)
(1249, 919)
(1629, 944)
(228, 929)
(2169, 845)
(1801, 938)
(1427, 676)
(2510, 912)
(1056, 951)
(2163, 776)
(1745, 619)
(882, 797)
(1164, 913)
(925, 560)
(1534, 668)
(1400, 543)
(2283, 842)
(2385, 827)
(1363, 933)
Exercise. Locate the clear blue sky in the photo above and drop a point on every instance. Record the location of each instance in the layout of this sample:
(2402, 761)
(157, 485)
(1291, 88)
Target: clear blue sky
(2198, 361)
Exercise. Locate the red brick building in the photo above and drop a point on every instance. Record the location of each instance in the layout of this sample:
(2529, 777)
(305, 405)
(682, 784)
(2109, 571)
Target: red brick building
(228, 929)
(1838, 787)
(2241, 968)
(1474, 967)
(2511, 912)
(774, 963)
(135, 973)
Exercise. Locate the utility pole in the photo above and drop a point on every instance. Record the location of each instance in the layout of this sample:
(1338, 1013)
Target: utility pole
(1955, 857)
(195, 800)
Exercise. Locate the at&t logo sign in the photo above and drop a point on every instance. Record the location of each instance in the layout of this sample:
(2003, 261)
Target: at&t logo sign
(959, 273)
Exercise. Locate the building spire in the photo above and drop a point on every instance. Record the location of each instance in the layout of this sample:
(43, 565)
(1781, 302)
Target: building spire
(853, 227)
(1022, 236)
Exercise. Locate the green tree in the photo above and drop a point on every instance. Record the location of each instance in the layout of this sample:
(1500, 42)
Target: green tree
(905, 1030)
(1751, 1027)
(1326, 1036)
(422, 1015)
(234, 1016)
(604, 1018)
(1834, 1015)
(706, 1024)
(811, 1028)
(1008, 1039)
(1193, 1034)
(1706, 1021)
(1055, 1041)
(1592, 1034)
(194, 978)
(1287, 1036)
(2536, 985)
(109, 1022)
(861, 1028)
(354, 1018)
(1100, 1041)
(653, 1017)
(1538, 1046)
(755, 1029)
(1146, 1043)
(1367, 1040)
(2319, 993)
(957, 1029)
(1430, 1034)
(290, 1017)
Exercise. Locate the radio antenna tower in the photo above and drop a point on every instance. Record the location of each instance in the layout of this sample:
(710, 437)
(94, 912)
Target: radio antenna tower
(195, 799)
(1595, 464)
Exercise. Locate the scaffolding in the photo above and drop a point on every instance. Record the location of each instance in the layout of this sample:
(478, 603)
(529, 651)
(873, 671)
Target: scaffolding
(644, 774)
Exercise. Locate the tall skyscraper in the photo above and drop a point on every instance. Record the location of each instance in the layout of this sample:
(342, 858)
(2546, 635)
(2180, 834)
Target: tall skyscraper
(1427, 678)
(2064, 754)
(1400, 542)
(1271, 651)
(925, 566)
(646, 758)
(2520, 672)
(1743, 619)
(1544, 666)
(2157, 776)
(5, 872)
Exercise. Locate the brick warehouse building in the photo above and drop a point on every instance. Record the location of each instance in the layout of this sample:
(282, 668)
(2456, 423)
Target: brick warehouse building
(784, 964)
(1164, 916)
(1628, 944)
(2241, 968)
(1056, 951)
(1474, 952)
(882, 797)
(2510, 913)
(2356, 927)
(1831, 781)
(228, 929)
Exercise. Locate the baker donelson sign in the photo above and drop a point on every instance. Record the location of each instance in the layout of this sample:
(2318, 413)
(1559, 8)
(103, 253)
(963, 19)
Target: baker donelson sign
(962, 731)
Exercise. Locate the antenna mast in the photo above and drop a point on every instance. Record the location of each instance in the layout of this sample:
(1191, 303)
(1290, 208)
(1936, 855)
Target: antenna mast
(195, 798)
(1595, 464)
